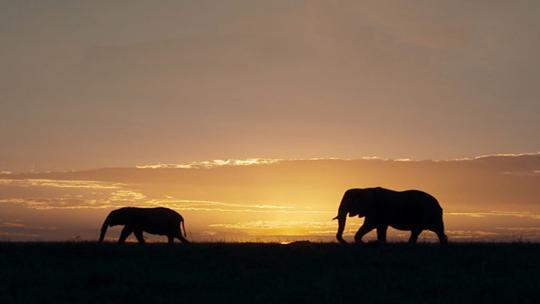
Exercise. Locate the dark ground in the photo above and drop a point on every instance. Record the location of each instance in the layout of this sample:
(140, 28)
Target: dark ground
(268, 273)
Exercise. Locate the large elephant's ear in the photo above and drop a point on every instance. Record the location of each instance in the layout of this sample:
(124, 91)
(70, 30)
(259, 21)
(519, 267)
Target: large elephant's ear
(369, 198)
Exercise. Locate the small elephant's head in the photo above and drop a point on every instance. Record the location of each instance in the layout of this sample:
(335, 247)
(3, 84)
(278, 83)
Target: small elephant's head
(116, 217)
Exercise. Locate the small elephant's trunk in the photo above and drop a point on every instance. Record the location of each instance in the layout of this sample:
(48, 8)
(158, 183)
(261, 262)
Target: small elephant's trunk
(104, 229)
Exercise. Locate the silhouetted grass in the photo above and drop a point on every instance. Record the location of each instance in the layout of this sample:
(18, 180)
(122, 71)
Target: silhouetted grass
(268, 273)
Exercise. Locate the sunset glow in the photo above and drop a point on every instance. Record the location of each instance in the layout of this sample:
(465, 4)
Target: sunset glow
(252, 118)
(280, 201)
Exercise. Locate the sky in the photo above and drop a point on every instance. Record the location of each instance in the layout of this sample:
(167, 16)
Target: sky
(93, 84)
(490, 198)
(251, 118)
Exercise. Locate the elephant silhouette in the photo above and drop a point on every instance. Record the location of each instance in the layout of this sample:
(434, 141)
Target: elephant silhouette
(160, 220)
(410, 210)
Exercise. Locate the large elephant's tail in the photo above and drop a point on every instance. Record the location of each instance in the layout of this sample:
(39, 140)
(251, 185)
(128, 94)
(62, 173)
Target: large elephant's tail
(443, 238)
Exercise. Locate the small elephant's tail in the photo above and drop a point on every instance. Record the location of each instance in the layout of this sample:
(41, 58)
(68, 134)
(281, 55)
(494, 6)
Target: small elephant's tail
(337, 217)
(184, 229)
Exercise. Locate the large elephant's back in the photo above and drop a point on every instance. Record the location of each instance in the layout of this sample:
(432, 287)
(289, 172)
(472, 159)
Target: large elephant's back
(419, 199)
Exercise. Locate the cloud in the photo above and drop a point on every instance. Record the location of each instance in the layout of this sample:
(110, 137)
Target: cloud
(507, 155)
(286, 227)
(126, 195)
(213, 163)
(123, 197)
(327, 230)
(468, 234)
(12, 224)
(209, 164)
(19, 234)
(519, 228)
(58, 203)
(277, 224)
(510, 155)
(20, 225)
(198, 205)
(523, 173)
(69, 194)
(283, 228)
(16, 229)
(525, 214)
(88, 200)
(83, 184)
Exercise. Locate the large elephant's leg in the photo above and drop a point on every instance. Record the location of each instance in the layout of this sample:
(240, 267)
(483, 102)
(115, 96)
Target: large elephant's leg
(442, 237)
(124, 234)
(439, 230)
(364, 229)
(414, 236)
(139, 235)
(381, 233)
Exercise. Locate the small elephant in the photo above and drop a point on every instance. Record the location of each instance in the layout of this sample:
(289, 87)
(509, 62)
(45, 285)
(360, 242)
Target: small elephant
(410, 210)
(162, 221)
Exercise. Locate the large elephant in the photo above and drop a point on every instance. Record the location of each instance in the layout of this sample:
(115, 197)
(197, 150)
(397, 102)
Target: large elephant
(410, 210)
(162, 221)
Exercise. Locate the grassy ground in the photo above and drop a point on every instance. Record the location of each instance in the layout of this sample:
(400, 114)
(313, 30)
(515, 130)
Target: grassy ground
(268, 273)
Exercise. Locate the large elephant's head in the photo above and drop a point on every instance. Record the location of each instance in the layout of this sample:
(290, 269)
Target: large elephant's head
(355, 202)
(116, 217)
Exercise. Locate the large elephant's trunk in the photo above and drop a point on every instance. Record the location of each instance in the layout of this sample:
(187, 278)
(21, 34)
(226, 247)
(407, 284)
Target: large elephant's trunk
(104, 229)
(341, 226)
(342, 218)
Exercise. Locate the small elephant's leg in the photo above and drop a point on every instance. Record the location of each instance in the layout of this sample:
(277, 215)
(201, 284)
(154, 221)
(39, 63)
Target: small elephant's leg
(381, 234)
(178, 234)
(363, 230)
(139, 235)
(414, 236)
(183, 239)
(124, 234)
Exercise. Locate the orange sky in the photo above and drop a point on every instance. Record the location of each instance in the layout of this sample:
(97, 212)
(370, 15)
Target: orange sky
(487, 198)
(88, 84)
